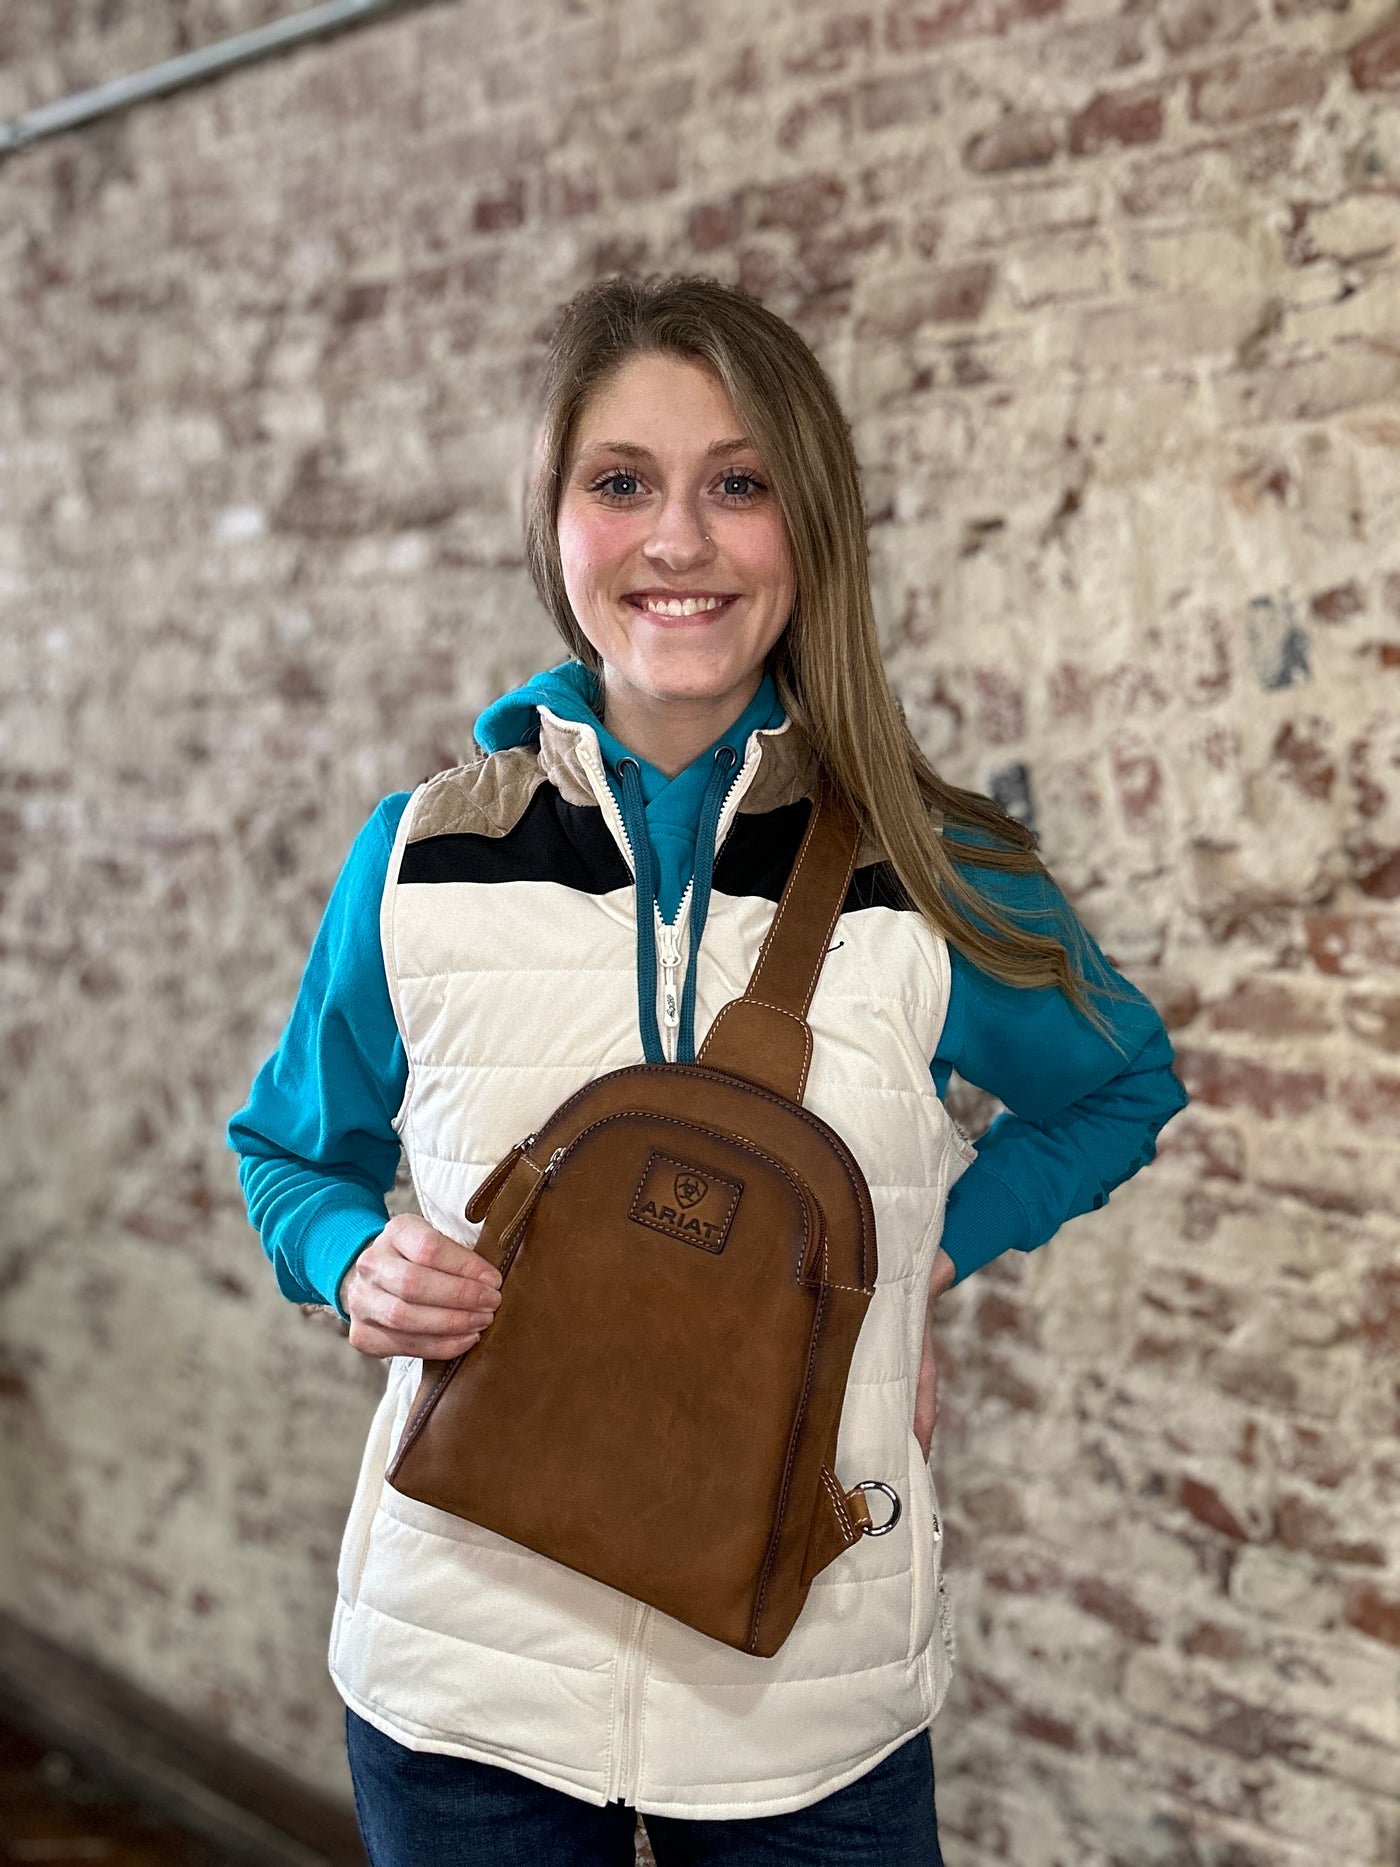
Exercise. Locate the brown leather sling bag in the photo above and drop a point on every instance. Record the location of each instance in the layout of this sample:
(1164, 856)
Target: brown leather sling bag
(686, 1257)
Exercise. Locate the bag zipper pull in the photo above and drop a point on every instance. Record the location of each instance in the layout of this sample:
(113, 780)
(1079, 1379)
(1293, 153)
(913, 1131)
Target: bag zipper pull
(481, 1200)
(514, 1237)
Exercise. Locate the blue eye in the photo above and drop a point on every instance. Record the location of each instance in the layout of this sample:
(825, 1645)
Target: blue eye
(626, 490)
(740, 486)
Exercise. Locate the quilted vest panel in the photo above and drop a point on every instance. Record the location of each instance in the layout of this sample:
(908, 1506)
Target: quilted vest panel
(510, 946)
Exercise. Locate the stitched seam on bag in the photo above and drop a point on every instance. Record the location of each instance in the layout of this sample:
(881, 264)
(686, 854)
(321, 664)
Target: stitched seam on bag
(734, 1140)
(427, 1408)
(787, 1473)
(849, 1529)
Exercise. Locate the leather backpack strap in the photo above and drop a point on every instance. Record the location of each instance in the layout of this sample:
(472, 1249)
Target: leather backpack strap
(764, 1036)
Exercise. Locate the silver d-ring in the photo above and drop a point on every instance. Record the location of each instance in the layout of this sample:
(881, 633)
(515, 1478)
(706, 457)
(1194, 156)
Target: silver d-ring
(877, 1484)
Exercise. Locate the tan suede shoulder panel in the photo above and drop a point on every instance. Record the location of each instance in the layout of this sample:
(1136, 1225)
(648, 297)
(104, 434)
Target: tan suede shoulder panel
(485, 798)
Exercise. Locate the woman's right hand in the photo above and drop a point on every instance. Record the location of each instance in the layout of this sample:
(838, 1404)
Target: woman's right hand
(415, 1291)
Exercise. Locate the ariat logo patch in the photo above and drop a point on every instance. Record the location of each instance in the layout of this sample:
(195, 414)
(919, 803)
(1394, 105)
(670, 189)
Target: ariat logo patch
(687, 1202)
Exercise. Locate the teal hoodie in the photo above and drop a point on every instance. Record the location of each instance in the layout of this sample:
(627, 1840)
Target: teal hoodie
(316, 1142)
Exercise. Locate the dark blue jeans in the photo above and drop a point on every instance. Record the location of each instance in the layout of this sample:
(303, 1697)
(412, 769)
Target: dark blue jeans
(421, 1809)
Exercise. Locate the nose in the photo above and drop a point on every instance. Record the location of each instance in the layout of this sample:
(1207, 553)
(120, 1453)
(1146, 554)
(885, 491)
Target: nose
(678, 539)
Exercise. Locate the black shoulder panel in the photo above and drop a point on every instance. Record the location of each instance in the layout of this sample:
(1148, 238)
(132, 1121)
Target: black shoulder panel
(760, 850)
(552, 842)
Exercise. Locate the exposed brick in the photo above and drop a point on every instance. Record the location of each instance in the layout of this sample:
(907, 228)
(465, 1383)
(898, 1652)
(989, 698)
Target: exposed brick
(1302, 748)
(1001, 715)
(1339, 604)
(800, 205)
(500, 209)
(1207, 1148)
(1375, 1613)
(921, 28)
(1240, 1083)
(1372, 1099)
(1207, 1506)
(1258, 87)
(1377, 870)
(1137, 777)
(1270, 1009)
(1304, 1525)
(1187, 24)
(715, 223)
(1352, 944)
(1374, 62)
(903, 97)
(1117, 119)
(1109, 1602)
(1013, 142)
(836, 43)
(952, 295)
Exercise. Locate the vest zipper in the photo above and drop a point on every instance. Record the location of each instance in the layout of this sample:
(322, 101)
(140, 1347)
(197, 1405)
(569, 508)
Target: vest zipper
(622, 1778)
(668, 943)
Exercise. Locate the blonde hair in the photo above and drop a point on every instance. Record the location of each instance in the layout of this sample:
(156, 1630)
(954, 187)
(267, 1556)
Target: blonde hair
(827, 661)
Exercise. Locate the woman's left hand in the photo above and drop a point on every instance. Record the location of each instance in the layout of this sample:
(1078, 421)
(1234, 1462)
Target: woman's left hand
(926, 1388)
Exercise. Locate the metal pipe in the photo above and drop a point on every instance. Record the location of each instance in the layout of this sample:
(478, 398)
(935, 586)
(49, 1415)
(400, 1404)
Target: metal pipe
(187, 68)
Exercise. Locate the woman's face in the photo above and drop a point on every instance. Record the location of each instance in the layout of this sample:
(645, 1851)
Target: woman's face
(674, 552)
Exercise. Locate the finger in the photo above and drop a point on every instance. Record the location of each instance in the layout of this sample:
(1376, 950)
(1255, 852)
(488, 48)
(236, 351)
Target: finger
(369, 1339)
(404, 1318)
(436, 1251)
(424, 1283)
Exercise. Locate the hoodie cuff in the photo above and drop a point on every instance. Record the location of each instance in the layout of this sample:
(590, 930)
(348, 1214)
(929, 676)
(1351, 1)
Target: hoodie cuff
(332, 1244)
(984, 1218)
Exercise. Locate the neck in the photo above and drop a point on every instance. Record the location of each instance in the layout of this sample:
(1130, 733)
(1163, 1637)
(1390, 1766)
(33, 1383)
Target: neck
(669, 733)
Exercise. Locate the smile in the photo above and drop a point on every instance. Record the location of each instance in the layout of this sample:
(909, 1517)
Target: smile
(652, 604)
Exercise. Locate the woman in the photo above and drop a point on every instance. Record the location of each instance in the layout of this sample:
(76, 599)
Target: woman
(595, 886)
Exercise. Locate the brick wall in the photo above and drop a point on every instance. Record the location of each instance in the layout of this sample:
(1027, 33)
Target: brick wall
(1112, 296)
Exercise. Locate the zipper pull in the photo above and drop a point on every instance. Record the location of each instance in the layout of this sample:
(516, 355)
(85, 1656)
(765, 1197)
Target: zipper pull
(669, 944)
(482, 1199)
(514, 1235)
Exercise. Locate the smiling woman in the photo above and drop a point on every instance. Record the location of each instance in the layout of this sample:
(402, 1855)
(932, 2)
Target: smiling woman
(674, 556)
(584, 902)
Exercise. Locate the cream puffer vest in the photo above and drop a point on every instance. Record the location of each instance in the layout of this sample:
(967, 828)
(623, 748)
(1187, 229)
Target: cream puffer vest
(509, 944)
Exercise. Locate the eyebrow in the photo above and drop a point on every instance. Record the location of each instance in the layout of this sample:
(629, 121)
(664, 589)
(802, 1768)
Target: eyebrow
(629, 450)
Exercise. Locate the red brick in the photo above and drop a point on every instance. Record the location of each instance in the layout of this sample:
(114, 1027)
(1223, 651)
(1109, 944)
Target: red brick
(1258, 87)
(1375, 1614)
(1350, 944)
(919, 28)
(1374, 1017)
(847, 37)
(1137, 778)
(954, 295)
(1116, 119)
(1318, 1457)
(1207, 1506)
(1106, 1601)
(565, 193)
(1339, 604)
(1377, 870)
(715, 223)
(1301, 748)
(1014, 142)
(1204, 1147)
(1186, 24)
(505, 208)
(1237, 1082)
(827, 117)
(1270, 1009)
(904, 97)
(1380, 1308)
(1001, 712)
(1209, 1640)
(801, 205)
(1372, 1100)
(1374, 62)
(1305, 1525)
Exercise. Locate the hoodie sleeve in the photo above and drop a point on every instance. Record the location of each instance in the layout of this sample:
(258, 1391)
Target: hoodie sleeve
(1083, 1106)
(316, 1143)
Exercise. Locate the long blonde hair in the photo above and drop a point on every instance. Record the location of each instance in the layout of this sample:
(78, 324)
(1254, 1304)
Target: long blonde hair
(827, 662)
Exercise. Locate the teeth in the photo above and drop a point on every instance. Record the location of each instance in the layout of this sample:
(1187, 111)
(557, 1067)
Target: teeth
(682, 606)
